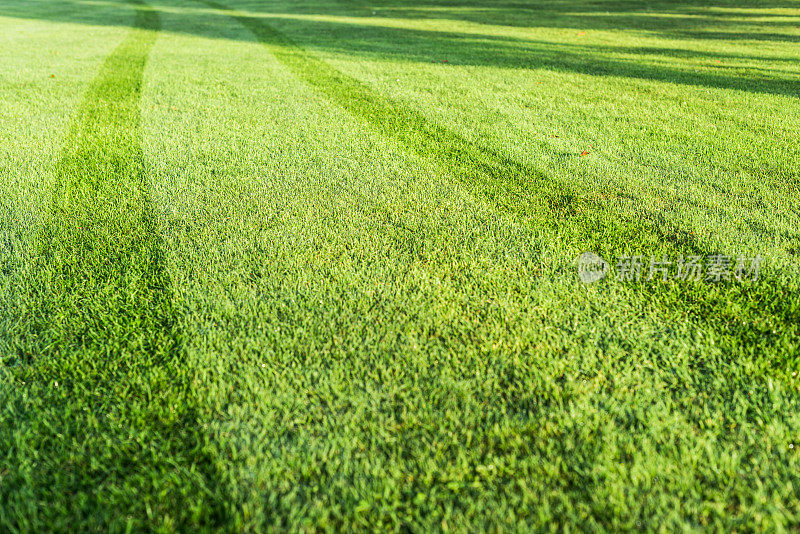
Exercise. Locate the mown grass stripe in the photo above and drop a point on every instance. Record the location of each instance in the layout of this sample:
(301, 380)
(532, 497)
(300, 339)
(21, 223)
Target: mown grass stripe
(510, 185)
(757, 319)
(108, 404)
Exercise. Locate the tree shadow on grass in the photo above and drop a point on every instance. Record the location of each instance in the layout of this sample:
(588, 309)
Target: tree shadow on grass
(677, 66)
(348, 28)
(741, 36)
(662, 17)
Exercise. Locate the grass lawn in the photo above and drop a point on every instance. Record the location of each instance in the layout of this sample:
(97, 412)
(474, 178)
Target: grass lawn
(310, 265)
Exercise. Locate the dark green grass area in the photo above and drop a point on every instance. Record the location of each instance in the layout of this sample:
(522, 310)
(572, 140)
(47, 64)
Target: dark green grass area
(310, 265)
(105, 431)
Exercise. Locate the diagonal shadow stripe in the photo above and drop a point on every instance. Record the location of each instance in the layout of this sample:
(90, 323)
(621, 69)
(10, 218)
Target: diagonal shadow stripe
(508, 184)
(758, 320)
(113, 411)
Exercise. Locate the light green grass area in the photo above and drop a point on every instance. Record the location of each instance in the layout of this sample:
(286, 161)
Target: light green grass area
(311, 265)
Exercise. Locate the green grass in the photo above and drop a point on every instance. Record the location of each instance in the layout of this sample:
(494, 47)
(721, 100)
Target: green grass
(274, 265)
